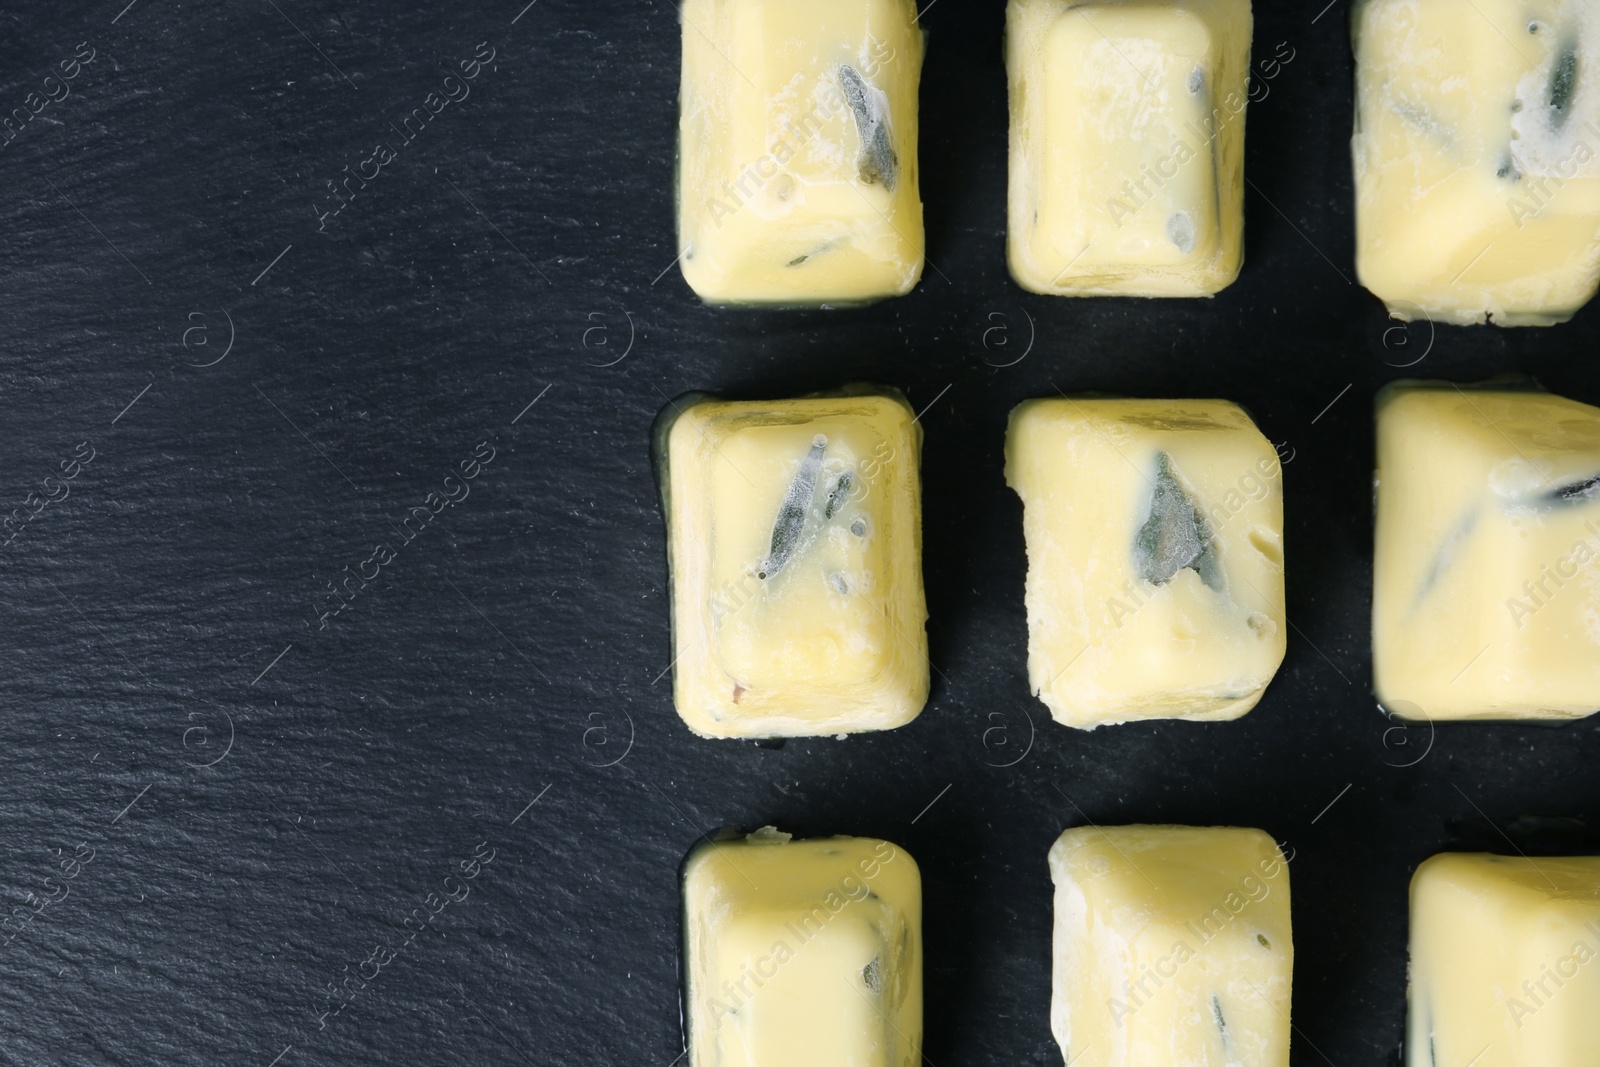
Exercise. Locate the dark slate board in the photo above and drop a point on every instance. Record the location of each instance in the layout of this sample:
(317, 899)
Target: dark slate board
(267, 801)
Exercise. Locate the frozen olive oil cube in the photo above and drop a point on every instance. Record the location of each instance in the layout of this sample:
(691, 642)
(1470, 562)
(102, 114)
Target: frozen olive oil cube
(1504, 969)
(1477, 157)
(1486, 594)
(802, 953)
(1172, 946)
(795, 545)
(797, 150)
(1127, 145)
(1155, 557)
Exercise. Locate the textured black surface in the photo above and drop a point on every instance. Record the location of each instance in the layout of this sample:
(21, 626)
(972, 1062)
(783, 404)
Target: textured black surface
(515, 647)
